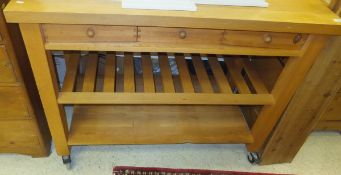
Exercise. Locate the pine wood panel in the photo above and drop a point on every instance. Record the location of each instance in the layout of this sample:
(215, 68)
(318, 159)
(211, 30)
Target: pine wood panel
(18, 136)
(158, 125)
(12, 104)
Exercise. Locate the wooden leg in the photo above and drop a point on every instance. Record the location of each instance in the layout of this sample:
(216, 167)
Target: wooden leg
(285, 87)
(306, 107)
(45, 76)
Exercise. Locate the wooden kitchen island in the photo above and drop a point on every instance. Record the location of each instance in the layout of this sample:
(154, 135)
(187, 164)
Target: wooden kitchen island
(120, 63)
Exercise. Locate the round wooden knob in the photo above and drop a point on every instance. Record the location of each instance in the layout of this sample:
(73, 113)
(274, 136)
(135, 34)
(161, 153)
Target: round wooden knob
(297, 38)
(90, 32)
(267, 38)
(182, 34)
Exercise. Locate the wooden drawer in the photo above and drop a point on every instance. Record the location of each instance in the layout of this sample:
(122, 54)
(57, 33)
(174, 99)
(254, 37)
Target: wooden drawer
(12, 103)
(18, 136)
(264, 39)
(180, 35)
(6, 71)
(88, 33)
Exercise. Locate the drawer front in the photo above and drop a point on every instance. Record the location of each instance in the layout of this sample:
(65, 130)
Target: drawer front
(12, 103)
(18, 136)
(6, 71)
(264, 39)
(180, 35)
(88, 33)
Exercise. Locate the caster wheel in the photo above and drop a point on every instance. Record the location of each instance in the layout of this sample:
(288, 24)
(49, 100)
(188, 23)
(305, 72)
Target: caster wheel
(253, 158)
(67, 162)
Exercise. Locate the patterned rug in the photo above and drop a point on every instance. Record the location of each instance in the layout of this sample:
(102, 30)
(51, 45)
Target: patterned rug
(127, 170)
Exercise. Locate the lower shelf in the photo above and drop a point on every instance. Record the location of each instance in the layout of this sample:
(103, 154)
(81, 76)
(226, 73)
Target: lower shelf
(157, 124)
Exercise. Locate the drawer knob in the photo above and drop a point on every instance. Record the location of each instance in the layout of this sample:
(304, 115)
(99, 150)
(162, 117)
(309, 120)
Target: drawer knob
(182, 34)
(267, 38)
(90, 32)
(297, 38)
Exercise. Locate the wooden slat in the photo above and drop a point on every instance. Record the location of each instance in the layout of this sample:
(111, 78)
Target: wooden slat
(201, 73)
(219, 75)
(129, 77)
(109, 73)
(256, 81)
(184, 76)
(236, 76)
(147, 69)
(71, 71)
(164, 124)
(164, 98)
(90, 73)
(167, 79)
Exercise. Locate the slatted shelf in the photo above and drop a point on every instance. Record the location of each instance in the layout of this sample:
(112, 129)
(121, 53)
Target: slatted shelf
(161, 78)
(179, 98)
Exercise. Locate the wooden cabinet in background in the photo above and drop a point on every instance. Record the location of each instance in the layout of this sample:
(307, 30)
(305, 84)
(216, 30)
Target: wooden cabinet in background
(23, 127)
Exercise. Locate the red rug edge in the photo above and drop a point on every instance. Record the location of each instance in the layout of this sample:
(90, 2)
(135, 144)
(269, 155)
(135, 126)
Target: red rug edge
(191, 170)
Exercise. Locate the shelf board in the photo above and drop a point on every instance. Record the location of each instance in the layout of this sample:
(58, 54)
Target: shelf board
(164, 98)
(157, 124)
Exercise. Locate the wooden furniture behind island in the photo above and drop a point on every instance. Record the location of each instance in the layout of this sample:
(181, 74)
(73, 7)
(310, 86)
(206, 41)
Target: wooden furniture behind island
(330, 119)
(215, 51)
(23, 127)
(315, 105)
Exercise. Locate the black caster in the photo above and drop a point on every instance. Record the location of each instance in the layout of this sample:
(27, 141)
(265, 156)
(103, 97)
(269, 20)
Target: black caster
(253, 158)
(67, 161)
